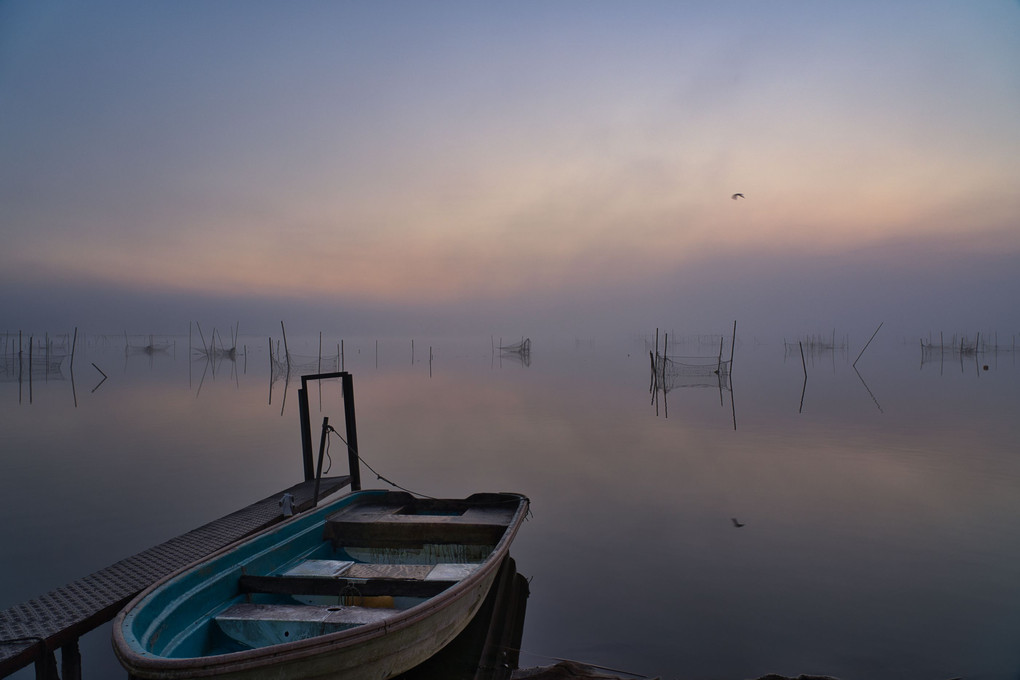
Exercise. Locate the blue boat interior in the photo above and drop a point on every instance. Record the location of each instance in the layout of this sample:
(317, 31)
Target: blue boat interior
(356, 562)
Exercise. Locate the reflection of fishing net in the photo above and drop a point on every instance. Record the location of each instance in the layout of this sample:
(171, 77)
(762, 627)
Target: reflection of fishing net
(670, 373)
(522, 347)
(147, 345)
(520, 350)
(47, 367)
(296, 364)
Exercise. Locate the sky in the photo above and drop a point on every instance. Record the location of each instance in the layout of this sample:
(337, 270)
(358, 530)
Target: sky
(496, 167)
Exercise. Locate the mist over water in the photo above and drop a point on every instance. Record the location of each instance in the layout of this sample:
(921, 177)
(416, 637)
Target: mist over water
(425, 182)
(878, 505)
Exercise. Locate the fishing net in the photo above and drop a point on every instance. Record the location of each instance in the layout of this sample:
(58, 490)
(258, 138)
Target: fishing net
(519, 350)
(15, 369)
(669, 373)
(285, 365)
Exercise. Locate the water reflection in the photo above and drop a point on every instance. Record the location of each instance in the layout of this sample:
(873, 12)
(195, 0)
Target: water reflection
(877, 543)
(970, 355)
(671, 372)
(870, 393)
(489, 648)
(519, 352)
(25, 360)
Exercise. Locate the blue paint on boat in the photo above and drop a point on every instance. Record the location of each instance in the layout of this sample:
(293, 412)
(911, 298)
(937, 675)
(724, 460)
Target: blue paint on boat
(438, 556)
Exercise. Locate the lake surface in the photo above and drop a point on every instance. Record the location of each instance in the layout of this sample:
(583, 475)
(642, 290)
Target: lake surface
(880, 506)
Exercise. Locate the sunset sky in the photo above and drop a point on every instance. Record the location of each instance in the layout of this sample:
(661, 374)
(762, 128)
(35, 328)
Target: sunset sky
(536, 161)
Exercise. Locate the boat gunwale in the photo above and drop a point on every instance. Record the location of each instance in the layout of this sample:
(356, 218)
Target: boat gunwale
(157, 666)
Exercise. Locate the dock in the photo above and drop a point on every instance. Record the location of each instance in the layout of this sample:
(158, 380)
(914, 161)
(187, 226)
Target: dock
(32, 631)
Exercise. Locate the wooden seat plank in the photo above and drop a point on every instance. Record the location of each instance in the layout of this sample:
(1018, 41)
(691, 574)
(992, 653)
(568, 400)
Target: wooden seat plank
(337, 587)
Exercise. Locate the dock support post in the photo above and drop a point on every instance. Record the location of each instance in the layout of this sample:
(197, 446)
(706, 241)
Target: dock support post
(70, 661)
(350, 424)
(46, 666)
(306, 432)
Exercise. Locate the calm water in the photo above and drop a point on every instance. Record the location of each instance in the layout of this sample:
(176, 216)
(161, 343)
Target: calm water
(881, 511)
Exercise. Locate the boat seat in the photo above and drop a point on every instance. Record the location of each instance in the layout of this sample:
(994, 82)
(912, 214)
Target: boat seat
(259, 625)
(370, 580)
(319, 568)
(394, 526)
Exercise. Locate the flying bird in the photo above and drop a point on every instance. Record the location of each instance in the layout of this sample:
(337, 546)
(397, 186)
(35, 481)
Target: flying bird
(736, 523)
(736, 196)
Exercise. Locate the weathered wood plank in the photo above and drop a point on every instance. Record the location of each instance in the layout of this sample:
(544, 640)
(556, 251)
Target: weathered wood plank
(393, 521)
(337, 587)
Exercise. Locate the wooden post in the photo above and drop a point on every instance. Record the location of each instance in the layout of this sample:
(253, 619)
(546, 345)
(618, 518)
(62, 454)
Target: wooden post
(205, 348)
(46, 667)
(70, 661)
(803, 389)
(655, 378)
(286, 350)
(322, 453)
(350, 424)
(868, 343)
(306, 433)
(733, 343)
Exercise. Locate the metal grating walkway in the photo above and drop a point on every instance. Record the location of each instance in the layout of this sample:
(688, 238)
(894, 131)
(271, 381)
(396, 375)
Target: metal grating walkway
(31, 631)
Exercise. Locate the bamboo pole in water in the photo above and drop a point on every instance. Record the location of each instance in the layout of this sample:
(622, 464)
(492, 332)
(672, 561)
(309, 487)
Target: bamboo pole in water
(286, 350)
(74, 343)
(31, 341)
(868, 343)
(205, 348)
(733, 344)
(803, 389)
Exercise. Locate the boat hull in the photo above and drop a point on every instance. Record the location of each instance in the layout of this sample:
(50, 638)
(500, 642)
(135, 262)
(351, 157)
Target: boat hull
(374, 651)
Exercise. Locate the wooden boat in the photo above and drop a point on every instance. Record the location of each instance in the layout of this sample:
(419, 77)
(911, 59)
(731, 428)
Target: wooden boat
(366, 587)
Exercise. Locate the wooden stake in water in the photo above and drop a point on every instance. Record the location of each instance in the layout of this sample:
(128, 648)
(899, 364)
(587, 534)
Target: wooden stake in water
(868, 343)
(733, 345)
(803, 389)
(286, 350)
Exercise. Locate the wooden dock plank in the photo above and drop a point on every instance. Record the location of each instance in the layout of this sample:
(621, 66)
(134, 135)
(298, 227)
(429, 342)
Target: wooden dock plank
(31, 631)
